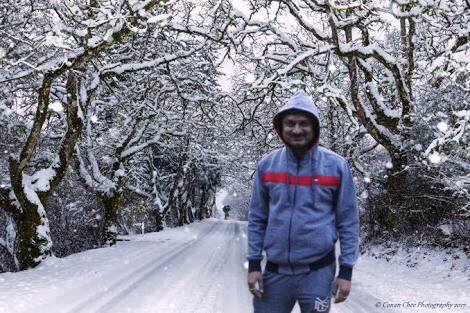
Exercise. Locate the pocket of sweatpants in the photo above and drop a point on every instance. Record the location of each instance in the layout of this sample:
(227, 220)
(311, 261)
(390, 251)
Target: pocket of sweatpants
(330, 274)
(322, 279)
(270, 278)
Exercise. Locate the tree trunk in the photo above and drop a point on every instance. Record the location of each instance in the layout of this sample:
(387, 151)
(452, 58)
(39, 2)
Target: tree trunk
(396, 190)
(33, 238)
(159, 221)
(202, 203)
(110, 223)
(33, 234)
(209, 203)
(190, 206)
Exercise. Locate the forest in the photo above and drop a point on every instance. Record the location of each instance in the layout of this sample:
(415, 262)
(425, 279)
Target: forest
(115, 113)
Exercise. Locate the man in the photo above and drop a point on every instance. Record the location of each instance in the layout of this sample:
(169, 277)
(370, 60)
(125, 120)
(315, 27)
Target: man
(303, 198)
(226, 208)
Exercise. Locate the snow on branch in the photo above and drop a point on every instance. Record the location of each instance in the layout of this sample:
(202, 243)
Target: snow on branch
(455, 133)
(119, 68)
(303, 56)
(337, 96)
(262, 26)
(133, 150)
(315, 31)
(83, 172)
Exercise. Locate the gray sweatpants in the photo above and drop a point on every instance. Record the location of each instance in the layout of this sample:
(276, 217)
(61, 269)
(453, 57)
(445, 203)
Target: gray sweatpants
(312, 291)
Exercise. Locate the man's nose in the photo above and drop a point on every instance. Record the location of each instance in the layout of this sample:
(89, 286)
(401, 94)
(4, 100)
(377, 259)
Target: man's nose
(297, 129)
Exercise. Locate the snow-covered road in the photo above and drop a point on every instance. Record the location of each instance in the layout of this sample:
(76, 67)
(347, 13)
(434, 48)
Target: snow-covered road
(201, 268)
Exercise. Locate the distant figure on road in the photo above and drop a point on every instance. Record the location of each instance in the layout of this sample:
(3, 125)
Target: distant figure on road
(226, 210)
(303, 198)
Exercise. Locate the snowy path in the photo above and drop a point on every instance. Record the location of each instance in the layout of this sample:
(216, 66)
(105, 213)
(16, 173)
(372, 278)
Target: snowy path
(197, 269)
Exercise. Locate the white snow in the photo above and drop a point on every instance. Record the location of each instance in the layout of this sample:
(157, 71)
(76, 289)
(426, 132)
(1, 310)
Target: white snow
(389, 165)
(435, 158)
(40, 182)
(57, 41)
(250, 78)
(446, 229)
(464, 114)
(442, 126)
(120, 172)
(41, 179)
(158, 19)
(297, 60)
(374, 92)
(418, 147)
(219, 201)
(9, 242)
(201, 268)
(56, 106)
(3, 53)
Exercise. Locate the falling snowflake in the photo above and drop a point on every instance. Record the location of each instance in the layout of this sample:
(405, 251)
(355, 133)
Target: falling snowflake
(56, 106)
(435, 158)
(442, 126)
(94, 119)
(389, 165)
(366, 180)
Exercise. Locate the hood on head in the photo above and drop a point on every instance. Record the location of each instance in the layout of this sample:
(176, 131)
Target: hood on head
(302, 102)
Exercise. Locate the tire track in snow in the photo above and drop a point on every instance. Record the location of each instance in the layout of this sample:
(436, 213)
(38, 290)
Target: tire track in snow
(201, 279)
(235, 297)
(212, 292)
(118, 289)
(183, 278)
(207, 264)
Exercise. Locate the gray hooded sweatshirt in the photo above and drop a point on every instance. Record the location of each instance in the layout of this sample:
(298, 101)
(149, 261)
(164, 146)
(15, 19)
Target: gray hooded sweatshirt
(300, 208)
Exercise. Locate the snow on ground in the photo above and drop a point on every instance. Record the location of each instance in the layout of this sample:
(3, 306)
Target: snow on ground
(200, 268)
(427, 284)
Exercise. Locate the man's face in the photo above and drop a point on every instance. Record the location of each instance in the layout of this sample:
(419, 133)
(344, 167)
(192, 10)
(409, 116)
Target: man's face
(297, 130)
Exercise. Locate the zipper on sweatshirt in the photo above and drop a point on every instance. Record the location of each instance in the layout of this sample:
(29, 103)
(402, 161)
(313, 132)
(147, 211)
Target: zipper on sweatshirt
(291, 216)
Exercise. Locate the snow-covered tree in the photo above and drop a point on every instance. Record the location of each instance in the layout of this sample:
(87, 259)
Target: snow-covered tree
(53, 58)
(374, 59)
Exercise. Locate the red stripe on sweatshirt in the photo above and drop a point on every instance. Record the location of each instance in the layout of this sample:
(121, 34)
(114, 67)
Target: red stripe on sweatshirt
(286, 178)
(326, 180)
